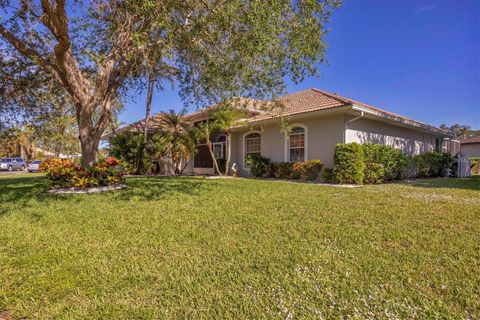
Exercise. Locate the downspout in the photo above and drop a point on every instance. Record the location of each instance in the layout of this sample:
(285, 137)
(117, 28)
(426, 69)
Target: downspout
(346, 125)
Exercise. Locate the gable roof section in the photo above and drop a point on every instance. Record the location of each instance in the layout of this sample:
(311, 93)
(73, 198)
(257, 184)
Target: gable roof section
(313, 99)
(302, 102)
(472, 140)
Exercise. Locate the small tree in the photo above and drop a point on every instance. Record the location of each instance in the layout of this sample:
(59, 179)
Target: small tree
(223, 118)
(178, 133)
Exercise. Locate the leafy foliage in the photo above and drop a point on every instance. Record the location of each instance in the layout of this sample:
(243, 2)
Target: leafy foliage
(283, 170)
(433, 164)
(258, 166)
(383, 163)
(129, 147)
(307, 170)
(179, 136)
(97, 50)
(349, 164)
(64, 173)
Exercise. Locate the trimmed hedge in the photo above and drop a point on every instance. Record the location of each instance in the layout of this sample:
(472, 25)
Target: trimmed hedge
(307, 170)
(349, 163)
(383, 163)
(433, 164)
(373, 163)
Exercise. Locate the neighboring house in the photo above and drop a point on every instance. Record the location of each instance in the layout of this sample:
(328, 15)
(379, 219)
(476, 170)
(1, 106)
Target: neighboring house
(318, 120)
(470, 147)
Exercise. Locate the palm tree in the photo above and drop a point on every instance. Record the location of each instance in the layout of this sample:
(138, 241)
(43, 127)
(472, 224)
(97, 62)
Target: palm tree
(179, 134)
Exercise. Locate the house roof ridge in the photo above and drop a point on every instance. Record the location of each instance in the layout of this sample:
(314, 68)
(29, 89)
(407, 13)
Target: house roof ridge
(374, 108)
(333, 95)
(471, 140)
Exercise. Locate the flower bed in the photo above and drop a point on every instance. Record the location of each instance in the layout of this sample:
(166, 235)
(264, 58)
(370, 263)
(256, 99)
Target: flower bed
(65, 174)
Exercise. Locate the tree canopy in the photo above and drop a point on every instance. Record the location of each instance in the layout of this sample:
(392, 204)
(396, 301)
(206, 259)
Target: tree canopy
(212, 49)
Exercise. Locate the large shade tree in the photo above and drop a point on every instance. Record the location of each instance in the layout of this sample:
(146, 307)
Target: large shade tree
(213, 49)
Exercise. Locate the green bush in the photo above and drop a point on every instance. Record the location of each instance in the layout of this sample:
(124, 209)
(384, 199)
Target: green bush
(258, 165)
(383, 163)
(433, 164)
(374, 173)
(283, 170)
(349, 164)
(327, 175)
(307, 170)
(130, 148)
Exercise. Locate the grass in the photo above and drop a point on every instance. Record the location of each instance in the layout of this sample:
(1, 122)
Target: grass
(235, 248)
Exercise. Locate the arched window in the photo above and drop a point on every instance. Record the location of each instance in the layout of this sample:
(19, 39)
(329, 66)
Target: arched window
(296, 145)
(253, 142)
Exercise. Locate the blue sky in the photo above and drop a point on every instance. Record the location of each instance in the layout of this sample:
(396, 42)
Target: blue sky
(417, 58)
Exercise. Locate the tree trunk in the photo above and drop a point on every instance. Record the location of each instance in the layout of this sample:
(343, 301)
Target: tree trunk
(148, 107)
(89, 145)
(228, 133)
(215, 164)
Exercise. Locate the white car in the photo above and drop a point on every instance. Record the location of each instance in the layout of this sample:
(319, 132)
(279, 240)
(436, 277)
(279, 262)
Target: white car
(33, 166)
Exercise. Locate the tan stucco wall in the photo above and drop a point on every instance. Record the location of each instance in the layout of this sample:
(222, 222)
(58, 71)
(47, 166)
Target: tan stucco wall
(323, 133)
(408, 140)
(471, 150)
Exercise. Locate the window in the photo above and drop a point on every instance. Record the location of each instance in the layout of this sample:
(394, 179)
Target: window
(253, 143)
(219, 147)
(296, 144)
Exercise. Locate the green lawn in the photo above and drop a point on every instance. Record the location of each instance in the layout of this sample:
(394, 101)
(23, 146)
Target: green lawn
(235, 248)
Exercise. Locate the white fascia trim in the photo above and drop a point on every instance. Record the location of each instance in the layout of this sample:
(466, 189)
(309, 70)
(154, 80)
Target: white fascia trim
(286, 146)
(399, 122)
(243, 146)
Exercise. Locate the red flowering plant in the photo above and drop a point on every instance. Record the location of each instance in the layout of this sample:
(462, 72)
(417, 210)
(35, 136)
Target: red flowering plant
(63, 173)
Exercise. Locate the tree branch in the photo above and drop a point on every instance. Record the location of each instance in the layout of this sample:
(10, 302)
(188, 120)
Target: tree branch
(30, 53)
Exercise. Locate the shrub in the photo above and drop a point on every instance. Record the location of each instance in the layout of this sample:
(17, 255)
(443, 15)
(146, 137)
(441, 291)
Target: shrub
(283, 170)
(306, 170)
(374, 173)
(130, 148)
(349, 163)
(383, 163)
(433, 164)
(63, 173)
(54, 163)
(270, 170)
(327, 175)
(259, 166)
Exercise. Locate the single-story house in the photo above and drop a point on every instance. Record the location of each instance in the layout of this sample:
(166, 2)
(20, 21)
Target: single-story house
(318, 120)
(470, 147)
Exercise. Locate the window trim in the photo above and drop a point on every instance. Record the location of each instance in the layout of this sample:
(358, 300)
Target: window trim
(222, 143)
(287, 140)
(245, 146)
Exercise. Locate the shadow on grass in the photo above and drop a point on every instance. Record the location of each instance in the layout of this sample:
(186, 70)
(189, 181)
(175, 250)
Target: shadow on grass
(155, 188)
(20, 191)
(472, 183)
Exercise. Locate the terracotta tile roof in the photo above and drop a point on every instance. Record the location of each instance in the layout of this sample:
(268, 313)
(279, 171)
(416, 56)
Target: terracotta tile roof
(304, 101)
(309, 100)
(471, 140)
(315, 100)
